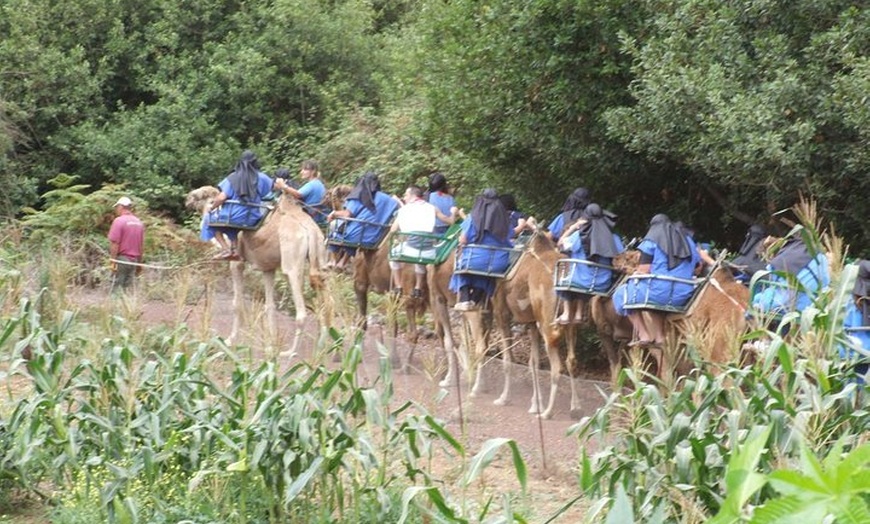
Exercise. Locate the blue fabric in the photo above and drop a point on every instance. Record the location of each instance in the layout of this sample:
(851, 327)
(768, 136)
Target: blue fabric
(661, 292)
(480, 260)
(854, 319)
(556, 227)
(776, 298)
(367, 234)
(237, 214)
(514, 220)
(313, 193)
(587, 277)
(443, 201)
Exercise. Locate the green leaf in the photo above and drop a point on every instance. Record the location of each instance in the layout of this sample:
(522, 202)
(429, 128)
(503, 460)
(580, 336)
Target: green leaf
(487, 454)
(620, 512)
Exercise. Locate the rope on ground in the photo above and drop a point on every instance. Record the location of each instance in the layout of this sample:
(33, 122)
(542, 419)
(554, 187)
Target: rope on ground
(163, 267)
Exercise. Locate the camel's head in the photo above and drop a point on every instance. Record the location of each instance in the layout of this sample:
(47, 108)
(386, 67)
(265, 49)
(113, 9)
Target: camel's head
(335, 195)
(199, 198)
(627, 261)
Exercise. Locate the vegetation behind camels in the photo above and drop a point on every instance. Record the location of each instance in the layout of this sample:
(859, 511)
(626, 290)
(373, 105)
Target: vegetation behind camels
(717, 113)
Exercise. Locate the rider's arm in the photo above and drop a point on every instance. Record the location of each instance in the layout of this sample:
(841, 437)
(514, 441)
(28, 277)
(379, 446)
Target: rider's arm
(218, 201)
(282, 185)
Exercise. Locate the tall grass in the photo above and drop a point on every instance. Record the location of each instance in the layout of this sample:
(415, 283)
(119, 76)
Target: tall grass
(665, 451)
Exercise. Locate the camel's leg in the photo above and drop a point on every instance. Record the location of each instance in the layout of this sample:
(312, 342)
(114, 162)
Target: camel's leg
(445, 334)
(534, 367)
(294, 277)
(555, 368)
(503, 325)
(478, 350)
(269, 297)
(571, 364)
(237, 271)
(361, 288)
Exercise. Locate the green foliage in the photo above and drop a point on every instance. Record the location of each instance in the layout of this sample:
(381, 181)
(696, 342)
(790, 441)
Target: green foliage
(757, 99)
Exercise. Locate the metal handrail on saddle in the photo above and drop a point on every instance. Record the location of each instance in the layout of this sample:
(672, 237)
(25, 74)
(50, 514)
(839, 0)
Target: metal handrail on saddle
(491, 255)
(698, 285)
(250, 207)
(566, 269)
(337, 238)
(417, 247)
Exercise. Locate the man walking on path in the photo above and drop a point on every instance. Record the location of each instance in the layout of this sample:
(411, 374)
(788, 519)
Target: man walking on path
(126, 237)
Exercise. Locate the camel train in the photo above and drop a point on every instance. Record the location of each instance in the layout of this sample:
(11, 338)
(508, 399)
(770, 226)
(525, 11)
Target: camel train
(713, 315)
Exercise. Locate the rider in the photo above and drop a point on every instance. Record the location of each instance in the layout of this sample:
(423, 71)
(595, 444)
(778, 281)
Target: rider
(440, 196)
(311, 193)
(238, 204)
(487, 225)
(416, 216)
(518, 220)
(372, 210)
(858, 316)
(591, 238)
(748, 259)
(572, 210)
(793, 262)
(665, 251)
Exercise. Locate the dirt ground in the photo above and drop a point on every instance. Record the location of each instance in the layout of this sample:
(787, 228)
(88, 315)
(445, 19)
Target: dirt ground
(551, 455)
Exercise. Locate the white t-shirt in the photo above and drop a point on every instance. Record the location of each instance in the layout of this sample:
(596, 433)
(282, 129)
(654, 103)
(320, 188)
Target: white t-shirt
(417, 217)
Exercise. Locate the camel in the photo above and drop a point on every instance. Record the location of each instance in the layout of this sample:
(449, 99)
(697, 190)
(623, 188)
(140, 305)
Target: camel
(716, 316)
(371, 271)
(287, 238)
(526, 296)
(583, 304)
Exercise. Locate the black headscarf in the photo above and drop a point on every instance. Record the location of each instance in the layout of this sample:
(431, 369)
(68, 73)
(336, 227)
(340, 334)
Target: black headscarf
(574, 206)
(793, 256)
(489, 214)
(508, 201)
(669, 238)
(244, 178)
(597, 234)
(365, 190)
(748, 255)
(437, 182)
(862, 289)
(753, 237)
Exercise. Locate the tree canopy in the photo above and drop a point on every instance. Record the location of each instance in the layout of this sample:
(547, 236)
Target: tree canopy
(716, 112)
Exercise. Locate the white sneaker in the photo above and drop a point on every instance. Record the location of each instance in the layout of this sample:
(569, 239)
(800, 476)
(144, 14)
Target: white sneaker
(465, 306)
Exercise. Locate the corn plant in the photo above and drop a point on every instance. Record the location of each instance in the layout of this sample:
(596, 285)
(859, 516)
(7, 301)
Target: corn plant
(159, 427)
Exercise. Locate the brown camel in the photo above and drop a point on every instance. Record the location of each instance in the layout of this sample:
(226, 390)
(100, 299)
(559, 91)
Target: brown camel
(371, 271)
(715, 319)
(287, 238)
(582, 308)
(525, 296)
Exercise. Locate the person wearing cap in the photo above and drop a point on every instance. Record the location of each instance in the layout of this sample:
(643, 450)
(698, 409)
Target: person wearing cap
(373, 211)
(797, 274)
(572, 210)
(664, 251)
(126, 239)
(238, 203)
(592, 239)
(311, 193)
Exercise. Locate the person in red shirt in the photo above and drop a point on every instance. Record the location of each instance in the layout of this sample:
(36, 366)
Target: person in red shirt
(126, 237)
